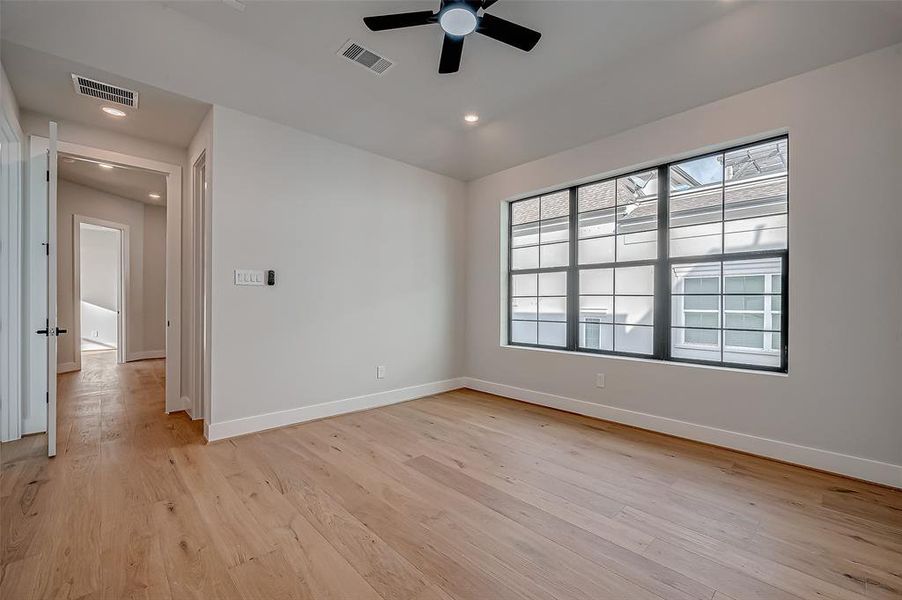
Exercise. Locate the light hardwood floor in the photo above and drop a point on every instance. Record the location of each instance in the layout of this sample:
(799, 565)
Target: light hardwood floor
(458, 496)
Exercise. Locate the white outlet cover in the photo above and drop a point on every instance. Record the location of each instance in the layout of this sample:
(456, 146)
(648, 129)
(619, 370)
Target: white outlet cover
(599, 380)
(380, 372)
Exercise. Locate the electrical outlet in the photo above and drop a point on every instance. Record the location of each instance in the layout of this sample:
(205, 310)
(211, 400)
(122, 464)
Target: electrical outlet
(599, 380)
(380, 372)
(95, 333)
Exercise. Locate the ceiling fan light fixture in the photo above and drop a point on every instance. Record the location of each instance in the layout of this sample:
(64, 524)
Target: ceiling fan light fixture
(458, 20)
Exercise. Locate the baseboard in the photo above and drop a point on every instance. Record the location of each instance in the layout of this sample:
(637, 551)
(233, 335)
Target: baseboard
(145, 355)
(66, 367)
(236, 427)
(824, 460)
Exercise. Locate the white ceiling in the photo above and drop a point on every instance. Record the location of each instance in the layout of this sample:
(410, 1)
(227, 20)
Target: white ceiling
(42, 83)
(127, 182)
(600, 67)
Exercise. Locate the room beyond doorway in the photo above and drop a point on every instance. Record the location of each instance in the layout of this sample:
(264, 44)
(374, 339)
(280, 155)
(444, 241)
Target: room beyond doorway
(99, 286)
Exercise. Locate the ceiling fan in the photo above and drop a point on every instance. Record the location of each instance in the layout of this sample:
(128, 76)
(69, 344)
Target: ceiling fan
(460, 18)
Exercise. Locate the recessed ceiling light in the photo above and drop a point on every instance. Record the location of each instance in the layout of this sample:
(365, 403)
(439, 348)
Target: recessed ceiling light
(471, 117)
(105, 166)
(154, 196)
(113, 112)
(68, 160)
(459, 20)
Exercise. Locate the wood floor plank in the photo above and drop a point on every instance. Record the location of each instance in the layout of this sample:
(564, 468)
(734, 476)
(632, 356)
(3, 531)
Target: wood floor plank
(458, 496)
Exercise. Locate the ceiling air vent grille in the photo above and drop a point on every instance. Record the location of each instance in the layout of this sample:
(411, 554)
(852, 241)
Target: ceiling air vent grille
(104, 91)
(364, 57)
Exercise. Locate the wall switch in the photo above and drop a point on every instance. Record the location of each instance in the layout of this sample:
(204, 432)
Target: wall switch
(599, 380)
(249, 277)
(380, 372)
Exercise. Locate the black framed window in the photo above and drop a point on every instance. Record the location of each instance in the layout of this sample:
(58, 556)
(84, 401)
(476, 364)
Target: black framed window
(687, 261)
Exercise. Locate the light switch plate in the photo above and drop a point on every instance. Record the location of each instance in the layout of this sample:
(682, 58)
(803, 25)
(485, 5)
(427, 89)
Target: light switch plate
(599, 380)
(249, 277)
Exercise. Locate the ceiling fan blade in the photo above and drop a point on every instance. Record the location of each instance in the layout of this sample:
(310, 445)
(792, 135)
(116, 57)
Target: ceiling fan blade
(397, 21)
(452, 48)
(508, 33)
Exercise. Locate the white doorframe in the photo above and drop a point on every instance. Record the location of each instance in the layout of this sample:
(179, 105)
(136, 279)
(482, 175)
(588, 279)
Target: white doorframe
(12, 187)
(173, 175)
(123, 281)
(201, 300)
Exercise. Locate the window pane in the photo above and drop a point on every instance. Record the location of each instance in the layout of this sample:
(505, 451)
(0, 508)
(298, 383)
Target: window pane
(701, 303)
(639, 216)
(776, 284)
(596, 281)
(743, 284)
(637, 246)
(701, 285)
(524, 332)
(697, 173)
(525, 211)
(743, 303)
(634, 310)
(695, 344)
(637, 187)
(703, 320)
(596, 223)
(598, 250)
(596, 196)
(775, 341)
(552, 309)
(596, 336)
(744, 339)
(769, 159)
(553, 284)
(553, 334)
(696, 206)
(599, 309)
(555, 205)
(523, 285)
(525, 258)
(524, 308)
(686, 278)
(525, 235)
(636, 339)
(555, 230)
(762, 233)
(743, 320)
(635, 280)
(697, 240)
(756, 198)
(554, 255)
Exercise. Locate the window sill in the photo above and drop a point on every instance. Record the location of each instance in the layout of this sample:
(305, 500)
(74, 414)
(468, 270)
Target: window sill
(652, 361)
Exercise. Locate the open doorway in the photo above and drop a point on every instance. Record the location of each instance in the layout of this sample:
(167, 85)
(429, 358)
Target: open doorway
(100, 282)
(112, 289)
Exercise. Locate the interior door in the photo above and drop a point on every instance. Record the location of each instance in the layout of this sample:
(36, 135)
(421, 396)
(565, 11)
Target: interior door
(52, 330)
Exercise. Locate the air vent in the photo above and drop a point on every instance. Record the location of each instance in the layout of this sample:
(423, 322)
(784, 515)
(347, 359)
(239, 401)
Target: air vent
(364, 57)
(104, 91)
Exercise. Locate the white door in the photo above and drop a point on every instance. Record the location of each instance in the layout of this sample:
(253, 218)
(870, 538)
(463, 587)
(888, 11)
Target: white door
(52, 330)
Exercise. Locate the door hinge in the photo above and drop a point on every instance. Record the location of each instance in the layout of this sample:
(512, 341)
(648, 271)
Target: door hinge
(46, 248)
(47, 397)
(48, 175)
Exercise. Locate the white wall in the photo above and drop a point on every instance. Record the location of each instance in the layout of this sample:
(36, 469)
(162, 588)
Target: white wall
(12, 186)
(843, 392)
(145, 314)
(100, 266)
(368, 254)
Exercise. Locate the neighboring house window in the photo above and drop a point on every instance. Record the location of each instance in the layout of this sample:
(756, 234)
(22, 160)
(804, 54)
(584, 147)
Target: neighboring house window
(685, 261)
